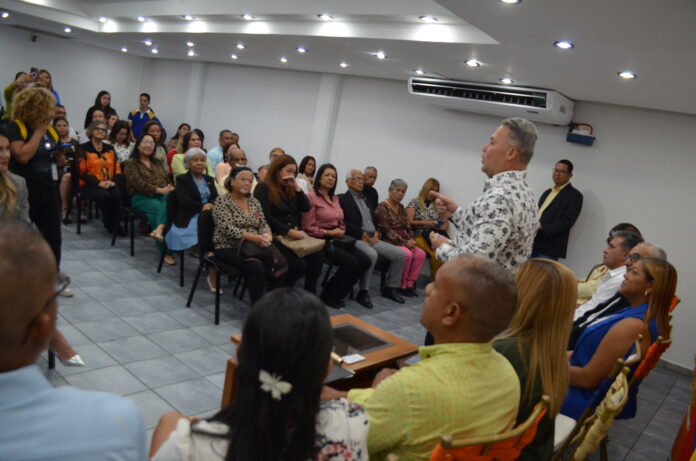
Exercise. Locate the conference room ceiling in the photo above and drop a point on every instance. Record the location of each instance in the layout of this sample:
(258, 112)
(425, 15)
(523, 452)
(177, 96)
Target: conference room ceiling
(652, 39)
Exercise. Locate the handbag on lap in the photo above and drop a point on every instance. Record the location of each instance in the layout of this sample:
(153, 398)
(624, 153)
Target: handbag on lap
(303, 247)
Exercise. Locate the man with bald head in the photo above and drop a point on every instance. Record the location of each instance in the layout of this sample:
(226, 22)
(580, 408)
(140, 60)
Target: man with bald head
(616, 302)
(358, 215)
(39, 421)
(461, 385)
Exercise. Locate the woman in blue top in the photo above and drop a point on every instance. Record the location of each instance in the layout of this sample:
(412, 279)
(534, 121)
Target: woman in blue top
(649, 286)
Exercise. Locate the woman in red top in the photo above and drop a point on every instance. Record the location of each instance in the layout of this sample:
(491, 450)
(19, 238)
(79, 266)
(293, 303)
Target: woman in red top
(325, 220)
(99, 169)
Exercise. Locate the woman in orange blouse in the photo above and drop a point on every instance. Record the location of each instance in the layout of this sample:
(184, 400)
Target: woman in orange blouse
(99, 169)
(396, 229)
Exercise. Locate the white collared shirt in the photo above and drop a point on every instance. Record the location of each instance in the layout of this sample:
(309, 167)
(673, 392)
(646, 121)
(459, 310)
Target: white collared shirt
(608, 287)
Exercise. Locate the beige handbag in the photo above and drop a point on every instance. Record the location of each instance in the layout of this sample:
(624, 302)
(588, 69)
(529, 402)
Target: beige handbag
(306, 246)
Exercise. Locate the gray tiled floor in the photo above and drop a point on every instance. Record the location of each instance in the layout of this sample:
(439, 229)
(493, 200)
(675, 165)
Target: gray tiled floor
(131, 326)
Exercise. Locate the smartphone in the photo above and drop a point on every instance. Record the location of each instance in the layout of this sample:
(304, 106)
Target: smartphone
(439, 222)
(34, 72)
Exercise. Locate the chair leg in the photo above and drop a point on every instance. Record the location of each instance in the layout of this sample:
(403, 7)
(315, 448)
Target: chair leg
(244, 287)
(382, 281)
(51, 360)
(78, 204)
(181, 269)
(161, 261)
(132, 236)
(236, 286)
(603, 455)
(195, 284)
(217, 297)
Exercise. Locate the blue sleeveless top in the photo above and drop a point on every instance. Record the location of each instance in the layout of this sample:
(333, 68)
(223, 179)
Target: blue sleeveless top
(577, 399)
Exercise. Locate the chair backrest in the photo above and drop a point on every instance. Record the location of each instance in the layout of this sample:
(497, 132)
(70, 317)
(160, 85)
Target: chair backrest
(499, 447)
(597, 426)
(654, 352)
(206, 228)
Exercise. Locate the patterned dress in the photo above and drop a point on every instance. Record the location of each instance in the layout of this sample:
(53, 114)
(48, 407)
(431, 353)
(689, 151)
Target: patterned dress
(501, 224)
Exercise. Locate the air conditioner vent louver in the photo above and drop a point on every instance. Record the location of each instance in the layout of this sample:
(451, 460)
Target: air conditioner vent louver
(536, 104)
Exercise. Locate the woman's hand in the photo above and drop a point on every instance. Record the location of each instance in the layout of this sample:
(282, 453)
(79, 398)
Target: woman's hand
(431, 224)
(411, 244)
(337, 233)
(207, 206)
(295, 234)
(290, 181)
(164, 190)
(266, 239)
(105, 184)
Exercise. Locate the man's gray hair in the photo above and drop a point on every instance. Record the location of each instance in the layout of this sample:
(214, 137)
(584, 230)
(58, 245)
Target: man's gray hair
(349, 173)
(628, 239)
(523, 135)
(192, 152)
(396, 183)
(656, 252)
(371, 168)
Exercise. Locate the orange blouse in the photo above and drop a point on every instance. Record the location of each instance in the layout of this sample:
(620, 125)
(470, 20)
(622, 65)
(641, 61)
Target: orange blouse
(97, 166)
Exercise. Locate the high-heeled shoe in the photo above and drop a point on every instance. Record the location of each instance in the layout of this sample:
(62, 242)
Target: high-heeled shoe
(74, 361)
(211, 287)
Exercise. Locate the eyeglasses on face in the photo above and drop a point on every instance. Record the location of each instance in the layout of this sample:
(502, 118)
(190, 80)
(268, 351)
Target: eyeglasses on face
(357, 179)
(147, 143)
(62, 283)
(634, 257)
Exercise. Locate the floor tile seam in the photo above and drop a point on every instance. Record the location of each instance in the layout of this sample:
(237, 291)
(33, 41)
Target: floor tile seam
(156, 391)
(96, 344)
(182, 363)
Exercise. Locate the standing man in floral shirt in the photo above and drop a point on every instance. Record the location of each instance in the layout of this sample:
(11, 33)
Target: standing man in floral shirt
(501, 223)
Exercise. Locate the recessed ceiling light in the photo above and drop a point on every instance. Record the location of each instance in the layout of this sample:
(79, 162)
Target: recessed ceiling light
(189, 44)
(344, 64)
(506, 81)
(248, 17)
(283, 59)
(473, 63)
(191, 53)
(511, 2)
(627, 74)
(102, 19)
(240, 46)
(419, 71)
(148, 42)
(428, 19)
(188, 17)
(325, 17)
(67, 30)
(380, 55)
(124, 50)
(564, 45)
(301, 50)
(5, 15)
(140, 19)
(154, 51)
(234, 56)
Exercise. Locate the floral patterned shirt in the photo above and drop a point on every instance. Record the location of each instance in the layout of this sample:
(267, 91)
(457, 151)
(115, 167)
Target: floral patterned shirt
(500, 224)
(394, 227)
(429, 214)
(341, 436)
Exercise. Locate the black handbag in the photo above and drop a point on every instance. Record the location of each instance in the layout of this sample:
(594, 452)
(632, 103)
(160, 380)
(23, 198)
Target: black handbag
(346, 243)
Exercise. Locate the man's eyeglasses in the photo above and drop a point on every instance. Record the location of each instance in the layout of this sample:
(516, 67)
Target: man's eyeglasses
(62, 283)
(633, 257)
(357, 179)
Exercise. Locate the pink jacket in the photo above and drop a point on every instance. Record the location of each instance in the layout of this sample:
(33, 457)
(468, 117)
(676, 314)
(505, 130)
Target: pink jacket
(323, 215)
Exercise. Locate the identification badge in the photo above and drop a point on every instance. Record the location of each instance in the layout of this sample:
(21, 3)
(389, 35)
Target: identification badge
(54, 171)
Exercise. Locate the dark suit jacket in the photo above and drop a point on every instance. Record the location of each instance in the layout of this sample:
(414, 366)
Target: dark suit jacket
(189, 199)
(371, 196)
(556, 221)
(351, 214)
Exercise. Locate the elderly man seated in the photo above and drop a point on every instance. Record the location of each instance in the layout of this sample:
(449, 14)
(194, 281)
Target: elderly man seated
(462, 385)
(40, 421)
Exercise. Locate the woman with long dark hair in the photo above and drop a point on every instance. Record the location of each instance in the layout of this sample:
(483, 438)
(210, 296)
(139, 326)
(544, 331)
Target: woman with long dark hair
(119, 137)
(180, 131)
(276, 413)
(308, 166)
(190, 140)
(103, 103)
(325, 220)
(283, 201)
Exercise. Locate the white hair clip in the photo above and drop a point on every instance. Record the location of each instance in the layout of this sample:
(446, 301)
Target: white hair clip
(274, 384)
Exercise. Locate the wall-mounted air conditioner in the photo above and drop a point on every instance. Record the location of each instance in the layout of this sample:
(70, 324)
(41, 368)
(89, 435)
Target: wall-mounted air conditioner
(535, 104)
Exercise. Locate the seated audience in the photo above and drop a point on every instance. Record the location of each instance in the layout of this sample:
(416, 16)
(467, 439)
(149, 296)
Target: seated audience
(619, 244)
(234, 157)
(190, 140)
(261, 173)
(97, 116)
(239, 220)
(360, 224)
(110, 122)
(201, 135)
(154, 129)
(308, 166)
(99, 171)
(325, 220)
(103, 103)
(143, 114)
(148, 185)
(424, 218)
(369, 190)
(462, 385)
(618, 301)
(218, 154)
(275, 153)
(534, 344)
(395, 229)
(649, 288)
(119, 137)
(174, 140)
(275, 411)
(60, 112)
(20, 82)
(588, 286)
(40, 421)
(195, 192)
(283, 201)
(65, 185)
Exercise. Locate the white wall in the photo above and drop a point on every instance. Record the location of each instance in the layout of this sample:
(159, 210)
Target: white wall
(640, 169)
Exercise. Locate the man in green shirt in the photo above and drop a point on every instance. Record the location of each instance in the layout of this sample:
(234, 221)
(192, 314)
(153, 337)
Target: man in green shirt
(461, 386)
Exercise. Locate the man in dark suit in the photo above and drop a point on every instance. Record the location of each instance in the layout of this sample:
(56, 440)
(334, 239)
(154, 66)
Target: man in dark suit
(559, 208)
(358, 217)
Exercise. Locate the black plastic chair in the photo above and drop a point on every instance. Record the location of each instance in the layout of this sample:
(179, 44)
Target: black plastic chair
(172, 205)
(206, 228)
(77, 194)
(127, 215)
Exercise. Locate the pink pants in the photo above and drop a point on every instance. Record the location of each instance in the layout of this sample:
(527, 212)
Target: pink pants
(412, 266)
